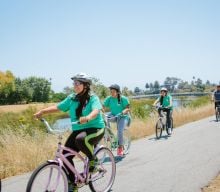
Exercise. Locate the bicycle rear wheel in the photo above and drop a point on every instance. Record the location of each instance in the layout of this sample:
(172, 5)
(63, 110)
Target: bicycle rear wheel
(103, 179)
(126, 141)
(48, 177)
(159, 129)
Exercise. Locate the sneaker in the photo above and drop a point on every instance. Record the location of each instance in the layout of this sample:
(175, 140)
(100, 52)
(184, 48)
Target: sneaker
(93, 165)
(72, 188)
(169, 131)
(120, 151)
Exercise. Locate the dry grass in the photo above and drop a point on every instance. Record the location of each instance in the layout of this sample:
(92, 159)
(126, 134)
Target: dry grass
(22, 107)
(181, 116)
(22, 153)
(214, 186)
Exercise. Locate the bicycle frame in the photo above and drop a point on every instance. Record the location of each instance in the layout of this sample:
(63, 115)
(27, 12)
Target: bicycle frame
(61, 159)
(163, 118)
(111, 138)
(108, 129)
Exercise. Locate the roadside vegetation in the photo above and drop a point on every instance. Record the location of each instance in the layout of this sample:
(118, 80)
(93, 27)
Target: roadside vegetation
(24, 143)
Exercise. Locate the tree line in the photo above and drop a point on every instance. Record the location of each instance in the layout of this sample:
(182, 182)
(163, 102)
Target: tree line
(176, 85)
(14, 90)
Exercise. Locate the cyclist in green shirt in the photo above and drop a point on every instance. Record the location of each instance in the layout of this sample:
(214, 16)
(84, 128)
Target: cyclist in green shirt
(118, 104)
(165, 101)
(85, 108)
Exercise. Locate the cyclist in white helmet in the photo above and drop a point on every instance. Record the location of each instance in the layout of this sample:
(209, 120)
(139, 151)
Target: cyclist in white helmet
(165, 101)
(86, 108)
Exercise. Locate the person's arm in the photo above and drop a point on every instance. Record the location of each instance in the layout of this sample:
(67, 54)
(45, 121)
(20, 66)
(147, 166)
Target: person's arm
(213, 97)
(50, 109)
(126, 110)
(171, 103)
(96, 108)
(92, 115)
(155, 102)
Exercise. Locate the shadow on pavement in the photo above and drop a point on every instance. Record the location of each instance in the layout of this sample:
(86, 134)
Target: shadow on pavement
(163, 137)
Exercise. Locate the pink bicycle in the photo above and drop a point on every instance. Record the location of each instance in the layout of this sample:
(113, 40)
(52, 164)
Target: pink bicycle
(51, 176)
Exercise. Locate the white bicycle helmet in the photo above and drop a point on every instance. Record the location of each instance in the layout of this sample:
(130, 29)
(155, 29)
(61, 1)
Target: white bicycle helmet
(82, 77)
(163, 89)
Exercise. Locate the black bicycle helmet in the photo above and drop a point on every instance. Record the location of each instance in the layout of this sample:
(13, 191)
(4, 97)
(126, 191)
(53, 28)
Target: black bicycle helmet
(116, 87)
(82, 77)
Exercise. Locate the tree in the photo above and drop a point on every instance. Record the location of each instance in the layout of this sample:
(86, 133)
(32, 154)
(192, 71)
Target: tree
(67, 90)
(137, 90)
(125, 91)
(7, 85)
(199, 85)
(171, 82)
(147, 86)
(99, 88)
(39, 88)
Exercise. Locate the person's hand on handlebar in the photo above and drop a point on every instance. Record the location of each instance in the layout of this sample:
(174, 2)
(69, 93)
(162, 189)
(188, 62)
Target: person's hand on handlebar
(38, 115)
(83, 120)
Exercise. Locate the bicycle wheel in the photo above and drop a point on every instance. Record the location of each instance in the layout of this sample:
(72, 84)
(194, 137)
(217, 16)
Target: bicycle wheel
(103, 179)
(126, 141)
(159, 129)
(48, 177)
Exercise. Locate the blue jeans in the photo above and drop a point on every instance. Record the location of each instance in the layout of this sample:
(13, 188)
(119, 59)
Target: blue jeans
(122, 123)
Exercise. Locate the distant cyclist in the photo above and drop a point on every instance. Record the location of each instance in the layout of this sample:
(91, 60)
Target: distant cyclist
(166, 103)
(118, 104)
(216, 96)
(85, 108)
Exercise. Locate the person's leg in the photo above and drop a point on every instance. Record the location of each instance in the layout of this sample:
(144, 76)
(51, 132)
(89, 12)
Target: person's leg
(168, 118)
(85, 142)
(159, 112)
(70, 143)
(122, 123)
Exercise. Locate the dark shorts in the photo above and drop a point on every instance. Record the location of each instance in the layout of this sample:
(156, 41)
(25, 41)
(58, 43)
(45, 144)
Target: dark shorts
(217, 104)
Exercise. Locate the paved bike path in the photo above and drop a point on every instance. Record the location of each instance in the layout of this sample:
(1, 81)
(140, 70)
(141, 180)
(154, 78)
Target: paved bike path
(185, 162)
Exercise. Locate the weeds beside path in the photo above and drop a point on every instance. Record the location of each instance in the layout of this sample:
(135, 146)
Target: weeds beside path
(214, 185)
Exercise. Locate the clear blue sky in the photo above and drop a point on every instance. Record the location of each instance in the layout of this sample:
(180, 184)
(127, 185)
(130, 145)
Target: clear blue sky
(117, 41)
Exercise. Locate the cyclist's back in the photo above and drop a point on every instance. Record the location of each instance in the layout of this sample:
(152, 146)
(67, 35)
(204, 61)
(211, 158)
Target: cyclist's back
(216, 96)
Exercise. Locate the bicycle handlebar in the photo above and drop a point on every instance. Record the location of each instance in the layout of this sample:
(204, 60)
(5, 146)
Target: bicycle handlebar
(113, 116)
(160, 107)
(55, 131)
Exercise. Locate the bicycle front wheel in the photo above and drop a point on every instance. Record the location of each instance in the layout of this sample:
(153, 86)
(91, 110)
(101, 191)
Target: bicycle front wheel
(159, 129)
(47, 178)
(103, 179)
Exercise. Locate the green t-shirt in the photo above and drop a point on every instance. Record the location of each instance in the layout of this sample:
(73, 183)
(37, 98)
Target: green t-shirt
(114, 106)
(70, 104)
(166, 101)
